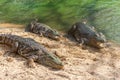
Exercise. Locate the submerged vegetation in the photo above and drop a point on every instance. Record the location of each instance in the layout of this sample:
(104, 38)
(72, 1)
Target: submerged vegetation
(61, 14)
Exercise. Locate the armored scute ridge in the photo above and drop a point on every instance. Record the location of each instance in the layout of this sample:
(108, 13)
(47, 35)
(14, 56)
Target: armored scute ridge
(31, 50)
(87, 35)
(42, 29)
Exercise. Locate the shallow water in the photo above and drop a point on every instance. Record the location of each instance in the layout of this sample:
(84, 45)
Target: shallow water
(61, 14)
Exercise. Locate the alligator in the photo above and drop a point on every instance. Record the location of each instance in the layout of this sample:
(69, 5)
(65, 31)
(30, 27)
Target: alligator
(31, 50)
(85, 34)
(42, 30)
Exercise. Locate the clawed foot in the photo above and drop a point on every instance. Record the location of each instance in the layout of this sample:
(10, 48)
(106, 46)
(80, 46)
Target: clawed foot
(8, 52)
(31, 63)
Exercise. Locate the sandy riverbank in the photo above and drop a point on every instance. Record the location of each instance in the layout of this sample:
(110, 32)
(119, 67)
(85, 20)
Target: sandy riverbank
(79, 64)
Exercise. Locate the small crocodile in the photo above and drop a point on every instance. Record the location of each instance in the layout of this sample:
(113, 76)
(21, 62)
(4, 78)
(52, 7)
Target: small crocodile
(31, 50)
(87, 35)
(42, 29)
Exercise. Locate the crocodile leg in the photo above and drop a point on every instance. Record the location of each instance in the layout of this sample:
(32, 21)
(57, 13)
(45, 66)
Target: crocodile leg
(31, 63)
(78, 38)
(13, 49)
(82, 41)
(31, 59)
(41, 34)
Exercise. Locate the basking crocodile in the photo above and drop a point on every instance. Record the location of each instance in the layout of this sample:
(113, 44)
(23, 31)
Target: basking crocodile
(31, 50)
(42, 29)
(87, 35)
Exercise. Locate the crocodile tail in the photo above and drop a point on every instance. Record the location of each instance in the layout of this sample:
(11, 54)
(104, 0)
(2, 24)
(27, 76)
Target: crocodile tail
(30, 26)
(27, 29)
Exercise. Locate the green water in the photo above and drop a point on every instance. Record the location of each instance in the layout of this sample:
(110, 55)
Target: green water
(61, 14)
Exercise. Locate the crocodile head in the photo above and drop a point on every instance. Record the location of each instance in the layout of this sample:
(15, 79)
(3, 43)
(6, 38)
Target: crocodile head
(99, 37)
(53, 34)
(97, 40)
(50, 60)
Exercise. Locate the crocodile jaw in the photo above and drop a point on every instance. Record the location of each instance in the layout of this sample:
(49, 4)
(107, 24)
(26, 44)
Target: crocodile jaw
(51, 60)
(98, 45)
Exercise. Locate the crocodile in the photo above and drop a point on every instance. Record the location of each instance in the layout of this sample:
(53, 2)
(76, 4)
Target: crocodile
(31, 50)
(42, 30)
(85, 34)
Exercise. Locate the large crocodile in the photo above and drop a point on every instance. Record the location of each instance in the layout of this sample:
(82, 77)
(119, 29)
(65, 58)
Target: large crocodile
(87, 35)
(31, 50)
(42, 29)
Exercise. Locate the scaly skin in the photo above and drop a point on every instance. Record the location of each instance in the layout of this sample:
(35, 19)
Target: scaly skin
(42, 29)
(87, 35)
(31, 50)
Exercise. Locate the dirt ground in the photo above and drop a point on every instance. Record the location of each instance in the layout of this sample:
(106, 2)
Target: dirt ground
(79, 63)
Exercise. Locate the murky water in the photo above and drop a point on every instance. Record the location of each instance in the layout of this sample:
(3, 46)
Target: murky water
(61, 14)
